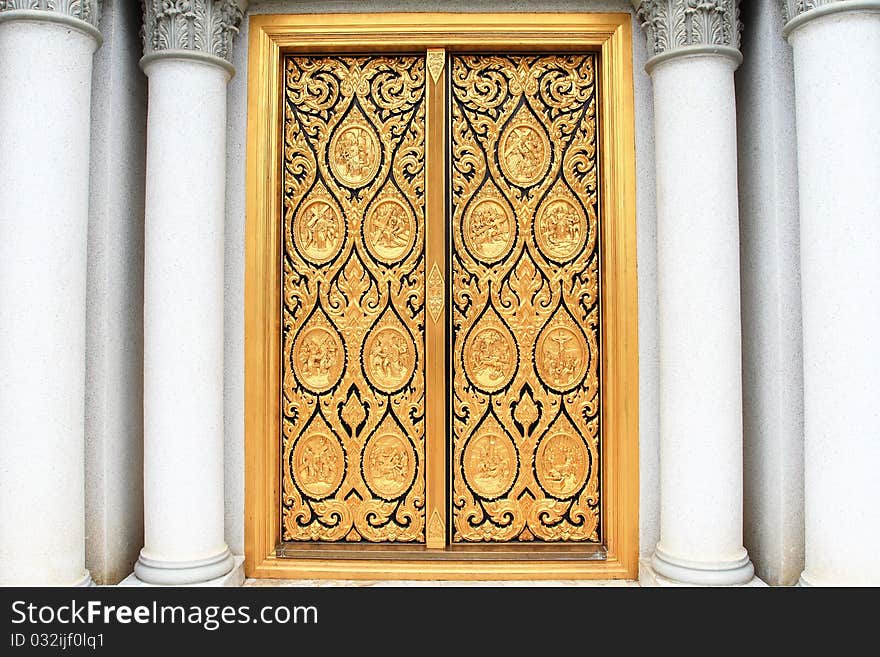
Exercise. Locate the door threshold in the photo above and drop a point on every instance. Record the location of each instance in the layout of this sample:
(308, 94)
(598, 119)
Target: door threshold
(392, 583)
(401, 552)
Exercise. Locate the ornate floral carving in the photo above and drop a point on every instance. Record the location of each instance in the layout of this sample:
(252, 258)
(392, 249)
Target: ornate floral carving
(673, 24)
(794, 8)
(206, 26)
(85, 10)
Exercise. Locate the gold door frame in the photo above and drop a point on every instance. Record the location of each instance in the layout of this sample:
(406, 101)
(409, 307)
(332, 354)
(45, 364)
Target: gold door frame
(273, 36)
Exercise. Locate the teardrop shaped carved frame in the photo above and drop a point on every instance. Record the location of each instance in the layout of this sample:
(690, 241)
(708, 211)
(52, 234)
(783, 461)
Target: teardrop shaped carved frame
(270, 38)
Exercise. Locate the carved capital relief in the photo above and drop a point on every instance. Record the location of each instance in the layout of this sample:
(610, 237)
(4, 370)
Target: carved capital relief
(205, 27)
(794, 8)
(798, 12)
(88, 11)
(680, 27)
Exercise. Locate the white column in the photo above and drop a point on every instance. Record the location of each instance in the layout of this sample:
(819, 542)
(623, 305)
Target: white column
(45, 98)
(694, 57)
(837, 92)
(183, 293)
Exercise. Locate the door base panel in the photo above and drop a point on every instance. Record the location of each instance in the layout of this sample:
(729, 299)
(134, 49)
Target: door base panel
(424, 569)
(497, 553)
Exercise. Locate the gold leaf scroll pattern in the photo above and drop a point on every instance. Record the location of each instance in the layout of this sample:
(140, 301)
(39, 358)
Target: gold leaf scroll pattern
(353, 300)
(525, 299)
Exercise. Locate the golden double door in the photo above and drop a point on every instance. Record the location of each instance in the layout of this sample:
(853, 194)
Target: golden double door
(440, 348)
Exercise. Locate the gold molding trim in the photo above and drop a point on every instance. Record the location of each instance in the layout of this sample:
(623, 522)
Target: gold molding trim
(608, 34)
(435, 332)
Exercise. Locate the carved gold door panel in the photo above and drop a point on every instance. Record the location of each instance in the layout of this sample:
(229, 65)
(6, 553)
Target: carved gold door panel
(524, 299)
(353, 349)
(440, 306)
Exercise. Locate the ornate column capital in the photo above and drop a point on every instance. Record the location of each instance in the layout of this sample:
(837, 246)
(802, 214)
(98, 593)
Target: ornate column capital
(798, 12)
(81, 14)
(196, 29)
(688, 27)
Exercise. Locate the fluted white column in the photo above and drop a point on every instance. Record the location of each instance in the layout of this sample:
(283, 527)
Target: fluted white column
(186, 61)
(836, 47)
(45, 101)
(694, 48)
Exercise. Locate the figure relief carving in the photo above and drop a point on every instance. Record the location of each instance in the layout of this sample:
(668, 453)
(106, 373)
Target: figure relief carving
(318, 228)
(490, 464)
(355, 151)
(562, 463)
(560, 228)
(560, 357)
(318, 354)
(388, 358)
(524, 150)
(318, 464)
(388, 465)
(524, 155)
(490, 354)
(389, 230)
(489, 226)
(491, 357)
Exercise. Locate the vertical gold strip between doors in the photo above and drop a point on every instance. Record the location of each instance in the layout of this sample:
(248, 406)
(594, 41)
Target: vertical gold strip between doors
(435, 296)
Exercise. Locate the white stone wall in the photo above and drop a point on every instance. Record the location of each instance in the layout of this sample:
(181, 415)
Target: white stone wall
(114, 313)
(773, 402)
(773, 471)
(235, 232)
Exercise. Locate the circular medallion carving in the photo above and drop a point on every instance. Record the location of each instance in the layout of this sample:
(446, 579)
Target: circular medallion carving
(319, 464)
(490, 357)
(561, 357)
(489, 229)
(390, 230)
(560, 230)
(355, 153)
(490, 464)
(524, 153)
(318, 231)
(562, 464)
(388, 465)
(389, 360)
(320, 358)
